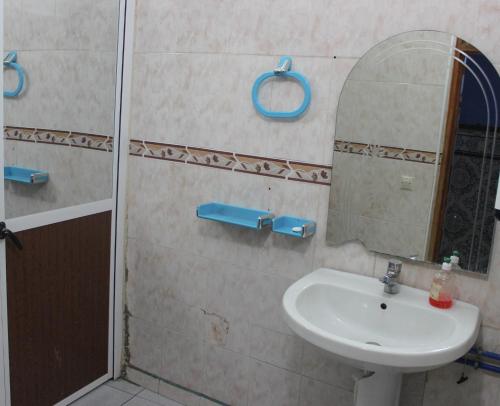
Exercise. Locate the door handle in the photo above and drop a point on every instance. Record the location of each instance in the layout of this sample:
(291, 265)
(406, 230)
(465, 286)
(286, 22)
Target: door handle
(6, 233)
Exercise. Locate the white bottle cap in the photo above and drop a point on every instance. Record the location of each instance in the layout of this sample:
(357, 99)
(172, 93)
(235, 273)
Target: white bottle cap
(446, 265)
(455, 259)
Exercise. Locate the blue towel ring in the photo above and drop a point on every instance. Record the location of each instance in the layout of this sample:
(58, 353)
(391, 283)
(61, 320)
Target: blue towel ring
(10, 61)
(283, 70)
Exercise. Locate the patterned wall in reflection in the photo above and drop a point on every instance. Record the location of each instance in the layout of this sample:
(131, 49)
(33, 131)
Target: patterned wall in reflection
(467, 228)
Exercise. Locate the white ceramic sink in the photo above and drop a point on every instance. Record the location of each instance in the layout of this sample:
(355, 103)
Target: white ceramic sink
(350, 316)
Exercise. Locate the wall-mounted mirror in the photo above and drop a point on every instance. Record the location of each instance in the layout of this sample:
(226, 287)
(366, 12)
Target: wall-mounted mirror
(416, 162)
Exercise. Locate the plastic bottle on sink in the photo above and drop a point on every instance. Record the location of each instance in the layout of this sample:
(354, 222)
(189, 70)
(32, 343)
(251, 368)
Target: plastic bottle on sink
(455, 261)
(442, 289)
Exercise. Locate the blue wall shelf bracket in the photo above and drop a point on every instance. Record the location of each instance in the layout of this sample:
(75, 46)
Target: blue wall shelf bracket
(283, 70)
(25, 175)
(294, 226)
(10, 62)
(239, 216)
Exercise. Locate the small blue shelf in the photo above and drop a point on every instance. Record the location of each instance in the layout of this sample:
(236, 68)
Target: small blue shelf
(294, 226)
(25, 175)
(239, 216)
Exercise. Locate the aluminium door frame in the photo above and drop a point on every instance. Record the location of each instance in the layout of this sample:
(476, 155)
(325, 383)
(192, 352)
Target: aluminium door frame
(116, 204)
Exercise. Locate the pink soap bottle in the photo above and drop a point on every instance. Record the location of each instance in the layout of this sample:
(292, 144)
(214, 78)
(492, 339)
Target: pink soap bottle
(442, 289)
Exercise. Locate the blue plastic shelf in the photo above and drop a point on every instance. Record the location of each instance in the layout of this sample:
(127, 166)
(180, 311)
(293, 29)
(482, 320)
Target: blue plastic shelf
(25, 175)
(239, 216)
(294, 226)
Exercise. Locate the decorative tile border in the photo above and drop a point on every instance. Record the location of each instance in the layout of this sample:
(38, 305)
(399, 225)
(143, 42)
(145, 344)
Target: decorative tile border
(379, 151)
(233, 161)
(68, 138)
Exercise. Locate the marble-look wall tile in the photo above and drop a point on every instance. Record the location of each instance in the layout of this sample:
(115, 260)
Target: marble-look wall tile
(87, 24)
(165, 288)
(356, 29)
(441, 387)
(412, 389)
(255, 27)
(489, 339)
(181, 396)
(284, 255)
(182, 360)
(249, 350)
(226, 376)
(320, 365)
(271, 386)
(320, 394)
(61, 24)
(142, 379)
(191, 26)
(260, 28)
(197, 102)
(281, 350)
(76, 176)
(146, 345)
(307, 138)
(487, 27)
(56, 95)
(491, 314)
(206, 402)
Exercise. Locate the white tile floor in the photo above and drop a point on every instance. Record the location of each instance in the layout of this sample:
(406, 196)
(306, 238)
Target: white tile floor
(120, 393)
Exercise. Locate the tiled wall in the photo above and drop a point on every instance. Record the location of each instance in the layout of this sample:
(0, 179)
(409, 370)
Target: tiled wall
(68, 51)
(78, 166)
(203, 299)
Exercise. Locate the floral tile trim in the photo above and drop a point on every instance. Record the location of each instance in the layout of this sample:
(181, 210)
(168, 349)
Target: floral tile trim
(256, 165)
(251, 164)
(136, 147)
(100, 142)
(207, 157)
(67, 138)
(277, 168)
(379, 151)
(169, 152)
(19, 134)
(310, 173)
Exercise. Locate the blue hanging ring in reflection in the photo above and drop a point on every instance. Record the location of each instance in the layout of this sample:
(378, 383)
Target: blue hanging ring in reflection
(10, 61)
(283, 70)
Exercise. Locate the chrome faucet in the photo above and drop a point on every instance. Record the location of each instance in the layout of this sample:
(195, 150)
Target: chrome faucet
(390, 279)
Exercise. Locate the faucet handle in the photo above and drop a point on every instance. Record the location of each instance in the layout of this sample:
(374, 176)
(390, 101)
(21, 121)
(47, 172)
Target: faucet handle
(394, 267)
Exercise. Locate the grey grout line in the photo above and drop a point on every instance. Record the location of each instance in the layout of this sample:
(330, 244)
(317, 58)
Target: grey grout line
(226, 53)
(199, 394)
(123, 391)
(134, 396)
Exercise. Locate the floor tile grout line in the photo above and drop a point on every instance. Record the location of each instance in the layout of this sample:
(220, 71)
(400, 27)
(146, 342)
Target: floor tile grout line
(135, 396)
(199, 394)
(107, 383)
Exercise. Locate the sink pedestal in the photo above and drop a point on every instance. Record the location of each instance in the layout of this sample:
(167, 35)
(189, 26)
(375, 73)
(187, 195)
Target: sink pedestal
(378, 389)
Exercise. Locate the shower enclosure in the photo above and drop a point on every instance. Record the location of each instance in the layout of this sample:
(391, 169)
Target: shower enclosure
(60, 210)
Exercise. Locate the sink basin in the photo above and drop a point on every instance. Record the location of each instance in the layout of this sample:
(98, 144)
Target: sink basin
(350, 316)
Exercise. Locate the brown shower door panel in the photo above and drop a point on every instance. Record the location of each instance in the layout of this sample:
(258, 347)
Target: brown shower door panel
(58, 309)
